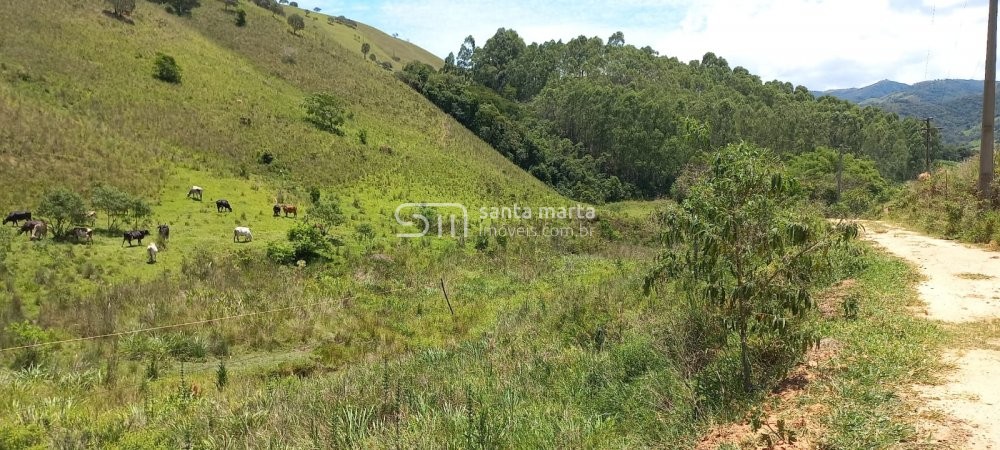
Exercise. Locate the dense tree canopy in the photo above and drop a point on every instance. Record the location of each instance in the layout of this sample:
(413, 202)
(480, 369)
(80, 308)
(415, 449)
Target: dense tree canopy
(621, 117)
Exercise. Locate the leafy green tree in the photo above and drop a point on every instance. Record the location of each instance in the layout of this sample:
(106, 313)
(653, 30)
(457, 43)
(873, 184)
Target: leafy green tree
(165, 68)
(465, 53)
(113, 202)
(63, 207)
(122, 8)
(740, 247)
(308, 242)
(365, 48)
(491, 62)
(372, 57)
(241, 18)
(139, 210)
(617, 39)
(296, 22)
(325, 111)
(449, 62)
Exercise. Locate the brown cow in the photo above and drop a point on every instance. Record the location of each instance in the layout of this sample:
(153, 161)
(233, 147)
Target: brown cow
(290, 209)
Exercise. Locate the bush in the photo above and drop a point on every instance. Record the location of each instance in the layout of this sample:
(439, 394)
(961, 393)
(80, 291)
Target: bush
(122, 8)
(281, 252)
(241, 18)
(296, 22)
(165, 68)
(307, 241)
(325, 111)
(327, 210)
(26, 333)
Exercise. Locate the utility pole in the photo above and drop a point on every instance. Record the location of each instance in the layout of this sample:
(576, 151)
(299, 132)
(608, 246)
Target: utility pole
(927, 144)
(989, 107)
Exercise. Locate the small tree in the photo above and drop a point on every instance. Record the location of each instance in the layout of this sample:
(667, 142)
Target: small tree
(365, 48)
(740, 248)
(317, 9)
(165, 68)
(138, 211)
(327, 210)
(62, 207)
(324, 111)
(296, 22)
(373, 57)
(241, 18)
(112, 202)
(122, 8)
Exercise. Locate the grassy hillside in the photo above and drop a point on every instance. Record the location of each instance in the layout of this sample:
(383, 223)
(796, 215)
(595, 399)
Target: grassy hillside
(88, 110)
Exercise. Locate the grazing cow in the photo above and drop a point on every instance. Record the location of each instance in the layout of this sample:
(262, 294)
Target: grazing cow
(290, 209)
(243, 232)
(26, 227)
(924, 176)
(152, 250)
(164, 231)
(17, 216)
(83, 234)
(134, 235)
(276, 209)
(195, 193)
(39, 231)
(223, 204)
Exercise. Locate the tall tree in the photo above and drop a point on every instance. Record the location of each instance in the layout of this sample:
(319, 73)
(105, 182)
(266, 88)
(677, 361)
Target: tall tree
(465, 53)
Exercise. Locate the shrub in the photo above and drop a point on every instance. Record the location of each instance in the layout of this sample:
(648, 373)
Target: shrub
(743, 248)
(296, 22)
(25, 333)
(281, 252)
(307, 241)
(325, 111)
(241, 18)
(165, 68)
(122, 8)
(179, 7)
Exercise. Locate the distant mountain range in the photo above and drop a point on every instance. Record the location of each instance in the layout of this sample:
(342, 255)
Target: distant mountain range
(955, 105)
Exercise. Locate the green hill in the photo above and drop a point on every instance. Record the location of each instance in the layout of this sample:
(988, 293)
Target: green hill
(955, 105)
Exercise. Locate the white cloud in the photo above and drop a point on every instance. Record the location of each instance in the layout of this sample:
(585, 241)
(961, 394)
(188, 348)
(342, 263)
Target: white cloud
(818, 43)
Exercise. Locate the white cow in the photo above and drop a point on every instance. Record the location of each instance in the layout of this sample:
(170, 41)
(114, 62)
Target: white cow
(243, 232)
(195, 192)
(152, 250)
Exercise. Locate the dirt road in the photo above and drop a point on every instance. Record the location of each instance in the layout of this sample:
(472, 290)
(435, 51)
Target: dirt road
(962, 284)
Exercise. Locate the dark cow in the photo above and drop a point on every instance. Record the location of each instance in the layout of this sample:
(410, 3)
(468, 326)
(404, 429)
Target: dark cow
(26, 227)
(276, 209)
(195, 192)
(134, 235)
(17, 216)
(223, 204)
(83, 234)
(290, 209)
(164, 232)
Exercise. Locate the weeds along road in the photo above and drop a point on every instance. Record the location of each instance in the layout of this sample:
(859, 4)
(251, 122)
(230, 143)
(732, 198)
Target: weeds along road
(961, 289)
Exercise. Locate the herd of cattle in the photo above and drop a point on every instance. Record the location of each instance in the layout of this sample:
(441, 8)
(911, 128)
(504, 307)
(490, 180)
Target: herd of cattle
(38, 229)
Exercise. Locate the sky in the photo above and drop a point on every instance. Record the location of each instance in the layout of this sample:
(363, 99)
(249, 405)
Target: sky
(821, 44)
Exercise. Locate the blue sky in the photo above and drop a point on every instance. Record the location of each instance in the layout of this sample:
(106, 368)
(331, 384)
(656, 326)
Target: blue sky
(821, 44)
